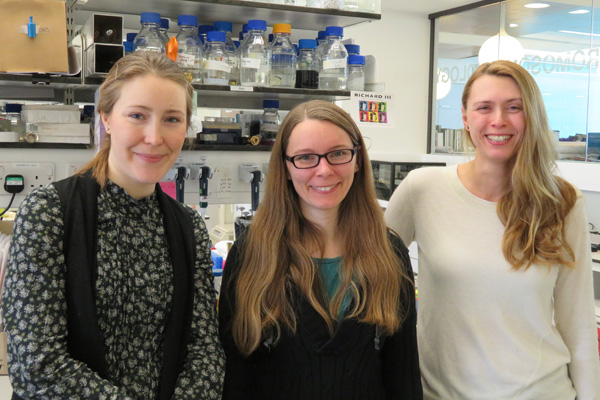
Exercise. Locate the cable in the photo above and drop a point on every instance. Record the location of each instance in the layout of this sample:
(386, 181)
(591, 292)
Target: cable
(9, 204)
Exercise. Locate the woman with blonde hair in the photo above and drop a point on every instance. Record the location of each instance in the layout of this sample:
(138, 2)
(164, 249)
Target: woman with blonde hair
(317, 300)
(506, 305)
(109, 289)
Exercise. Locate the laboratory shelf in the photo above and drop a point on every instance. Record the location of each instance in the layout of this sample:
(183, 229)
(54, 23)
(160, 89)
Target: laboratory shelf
(20, 145)
(227, 147)
(236, 11)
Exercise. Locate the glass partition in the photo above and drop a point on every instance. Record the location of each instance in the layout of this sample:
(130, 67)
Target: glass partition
(557, 42)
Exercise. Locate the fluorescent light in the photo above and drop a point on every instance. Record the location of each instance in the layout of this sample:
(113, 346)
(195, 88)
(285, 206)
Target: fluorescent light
(513, 25)
(579, 12)
(537, 5)
(580, 33)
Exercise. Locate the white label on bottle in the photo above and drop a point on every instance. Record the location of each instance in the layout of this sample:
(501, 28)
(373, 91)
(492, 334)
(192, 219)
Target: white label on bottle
(337, 63)
(215, 65)
(253, 63)
(186, 60)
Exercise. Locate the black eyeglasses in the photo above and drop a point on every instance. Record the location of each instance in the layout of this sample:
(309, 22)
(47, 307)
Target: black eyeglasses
(334, 157)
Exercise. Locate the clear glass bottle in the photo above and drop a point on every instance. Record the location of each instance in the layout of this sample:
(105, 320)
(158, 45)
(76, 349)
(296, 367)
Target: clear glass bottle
(164, 30)
(189, 53)
(216, 68)
(255, 56)
(148, 39)
(283, 57)
(269, 122)
(321, 41)
(356, 74)
(307, 65)
(333, 67)
(337, 4)
(231, 49)
(352, 49)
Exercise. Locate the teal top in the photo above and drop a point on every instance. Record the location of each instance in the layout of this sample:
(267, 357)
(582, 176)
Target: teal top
(329, 269)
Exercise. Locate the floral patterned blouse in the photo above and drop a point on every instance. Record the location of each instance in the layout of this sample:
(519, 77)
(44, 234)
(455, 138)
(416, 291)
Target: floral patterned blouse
(133, 296)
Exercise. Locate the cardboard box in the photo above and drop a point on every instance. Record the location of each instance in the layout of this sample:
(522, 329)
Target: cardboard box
(50, 113)
(47, 52)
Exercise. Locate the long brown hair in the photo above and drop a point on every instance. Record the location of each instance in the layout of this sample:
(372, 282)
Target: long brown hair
(125, 69)
(277, 255)
(534, 211)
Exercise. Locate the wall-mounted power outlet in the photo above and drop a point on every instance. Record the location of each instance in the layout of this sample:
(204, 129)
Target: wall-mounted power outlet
(35, 174)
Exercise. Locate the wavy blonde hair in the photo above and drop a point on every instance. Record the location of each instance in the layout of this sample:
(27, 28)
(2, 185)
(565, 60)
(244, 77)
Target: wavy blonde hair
(132, 66)
(277, 252)
(534, 211)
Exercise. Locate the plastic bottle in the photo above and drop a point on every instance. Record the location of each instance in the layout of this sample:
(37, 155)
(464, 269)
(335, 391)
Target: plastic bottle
(216, 68)
(231, 49)
(283, 57)
(269, 122)
(255, 56)
(356, 74)
(333, 68)
(189, 54)
(352, 49)
(307, 65)
(148, 39)
(164, 30)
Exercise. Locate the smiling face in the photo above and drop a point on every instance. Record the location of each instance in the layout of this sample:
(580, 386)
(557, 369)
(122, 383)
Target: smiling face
(321, 189)
(494, 118)
(147, 126)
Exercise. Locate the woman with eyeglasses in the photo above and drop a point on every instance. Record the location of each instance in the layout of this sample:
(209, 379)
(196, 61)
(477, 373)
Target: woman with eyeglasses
(317, 298)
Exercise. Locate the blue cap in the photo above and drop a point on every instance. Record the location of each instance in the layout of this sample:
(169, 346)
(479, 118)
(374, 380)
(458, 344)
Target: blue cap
(307, 44)
(164, 23)
(353, 48)
(237, 43)
(128, 47)
(355, 59)
(245, 28)
(190, 20)
(224, 26)
(131, 36)
(216, 36)
(270, 103)
(205, 28)
(16, 108)
(271, 36)
(321, 35)
(257, 24)
(150, 17)
(334, 31)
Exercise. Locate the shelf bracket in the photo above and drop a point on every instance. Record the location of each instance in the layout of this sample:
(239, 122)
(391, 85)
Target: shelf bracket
(69, 96)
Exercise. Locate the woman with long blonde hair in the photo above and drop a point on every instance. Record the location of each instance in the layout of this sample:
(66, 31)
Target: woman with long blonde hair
(317, 299)
(506, 306)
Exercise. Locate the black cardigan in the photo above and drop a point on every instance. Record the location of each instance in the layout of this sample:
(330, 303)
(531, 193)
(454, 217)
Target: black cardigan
(79, 198)
(356, 363)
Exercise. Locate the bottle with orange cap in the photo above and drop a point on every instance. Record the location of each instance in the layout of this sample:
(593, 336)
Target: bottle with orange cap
(283, 57)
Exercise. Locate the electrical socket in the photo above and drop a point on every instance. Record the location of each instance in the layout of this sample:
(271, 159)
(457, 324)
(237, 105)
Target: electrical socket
(35, 174)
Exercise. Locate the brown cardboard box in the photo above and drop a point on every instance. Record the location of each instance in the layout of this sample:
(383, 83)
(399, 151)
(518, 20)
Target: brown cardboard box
(47, 52)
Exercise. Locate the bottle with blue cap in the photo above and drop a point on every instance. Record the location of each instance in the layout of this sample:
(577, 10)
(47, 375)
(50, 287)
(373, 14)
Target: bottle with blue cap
(356, 74)
(231, 49)
(203, 31)
(164, 30)
(333, 67)
(128, 44)
(216, 68)
(307, 66)
(283, 57)
(269, 122)
(321, 40)
(352, 49)
(148, 39)
(189, 53)
(255, 56)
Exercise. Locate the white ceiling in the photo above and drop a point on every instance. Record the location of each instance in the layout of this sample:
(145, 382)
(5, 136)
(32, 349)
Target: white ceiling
(422, 6)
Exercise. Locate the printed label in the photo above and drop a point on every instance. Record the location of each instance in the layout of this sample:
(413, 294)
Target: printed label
(215, 65)
(337, 63)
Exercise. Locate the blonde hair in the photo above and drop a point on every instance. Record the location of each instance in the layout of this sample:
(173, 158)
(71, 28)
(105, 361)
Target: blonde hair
(132, 66)
(277, 252)
(534, 211)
